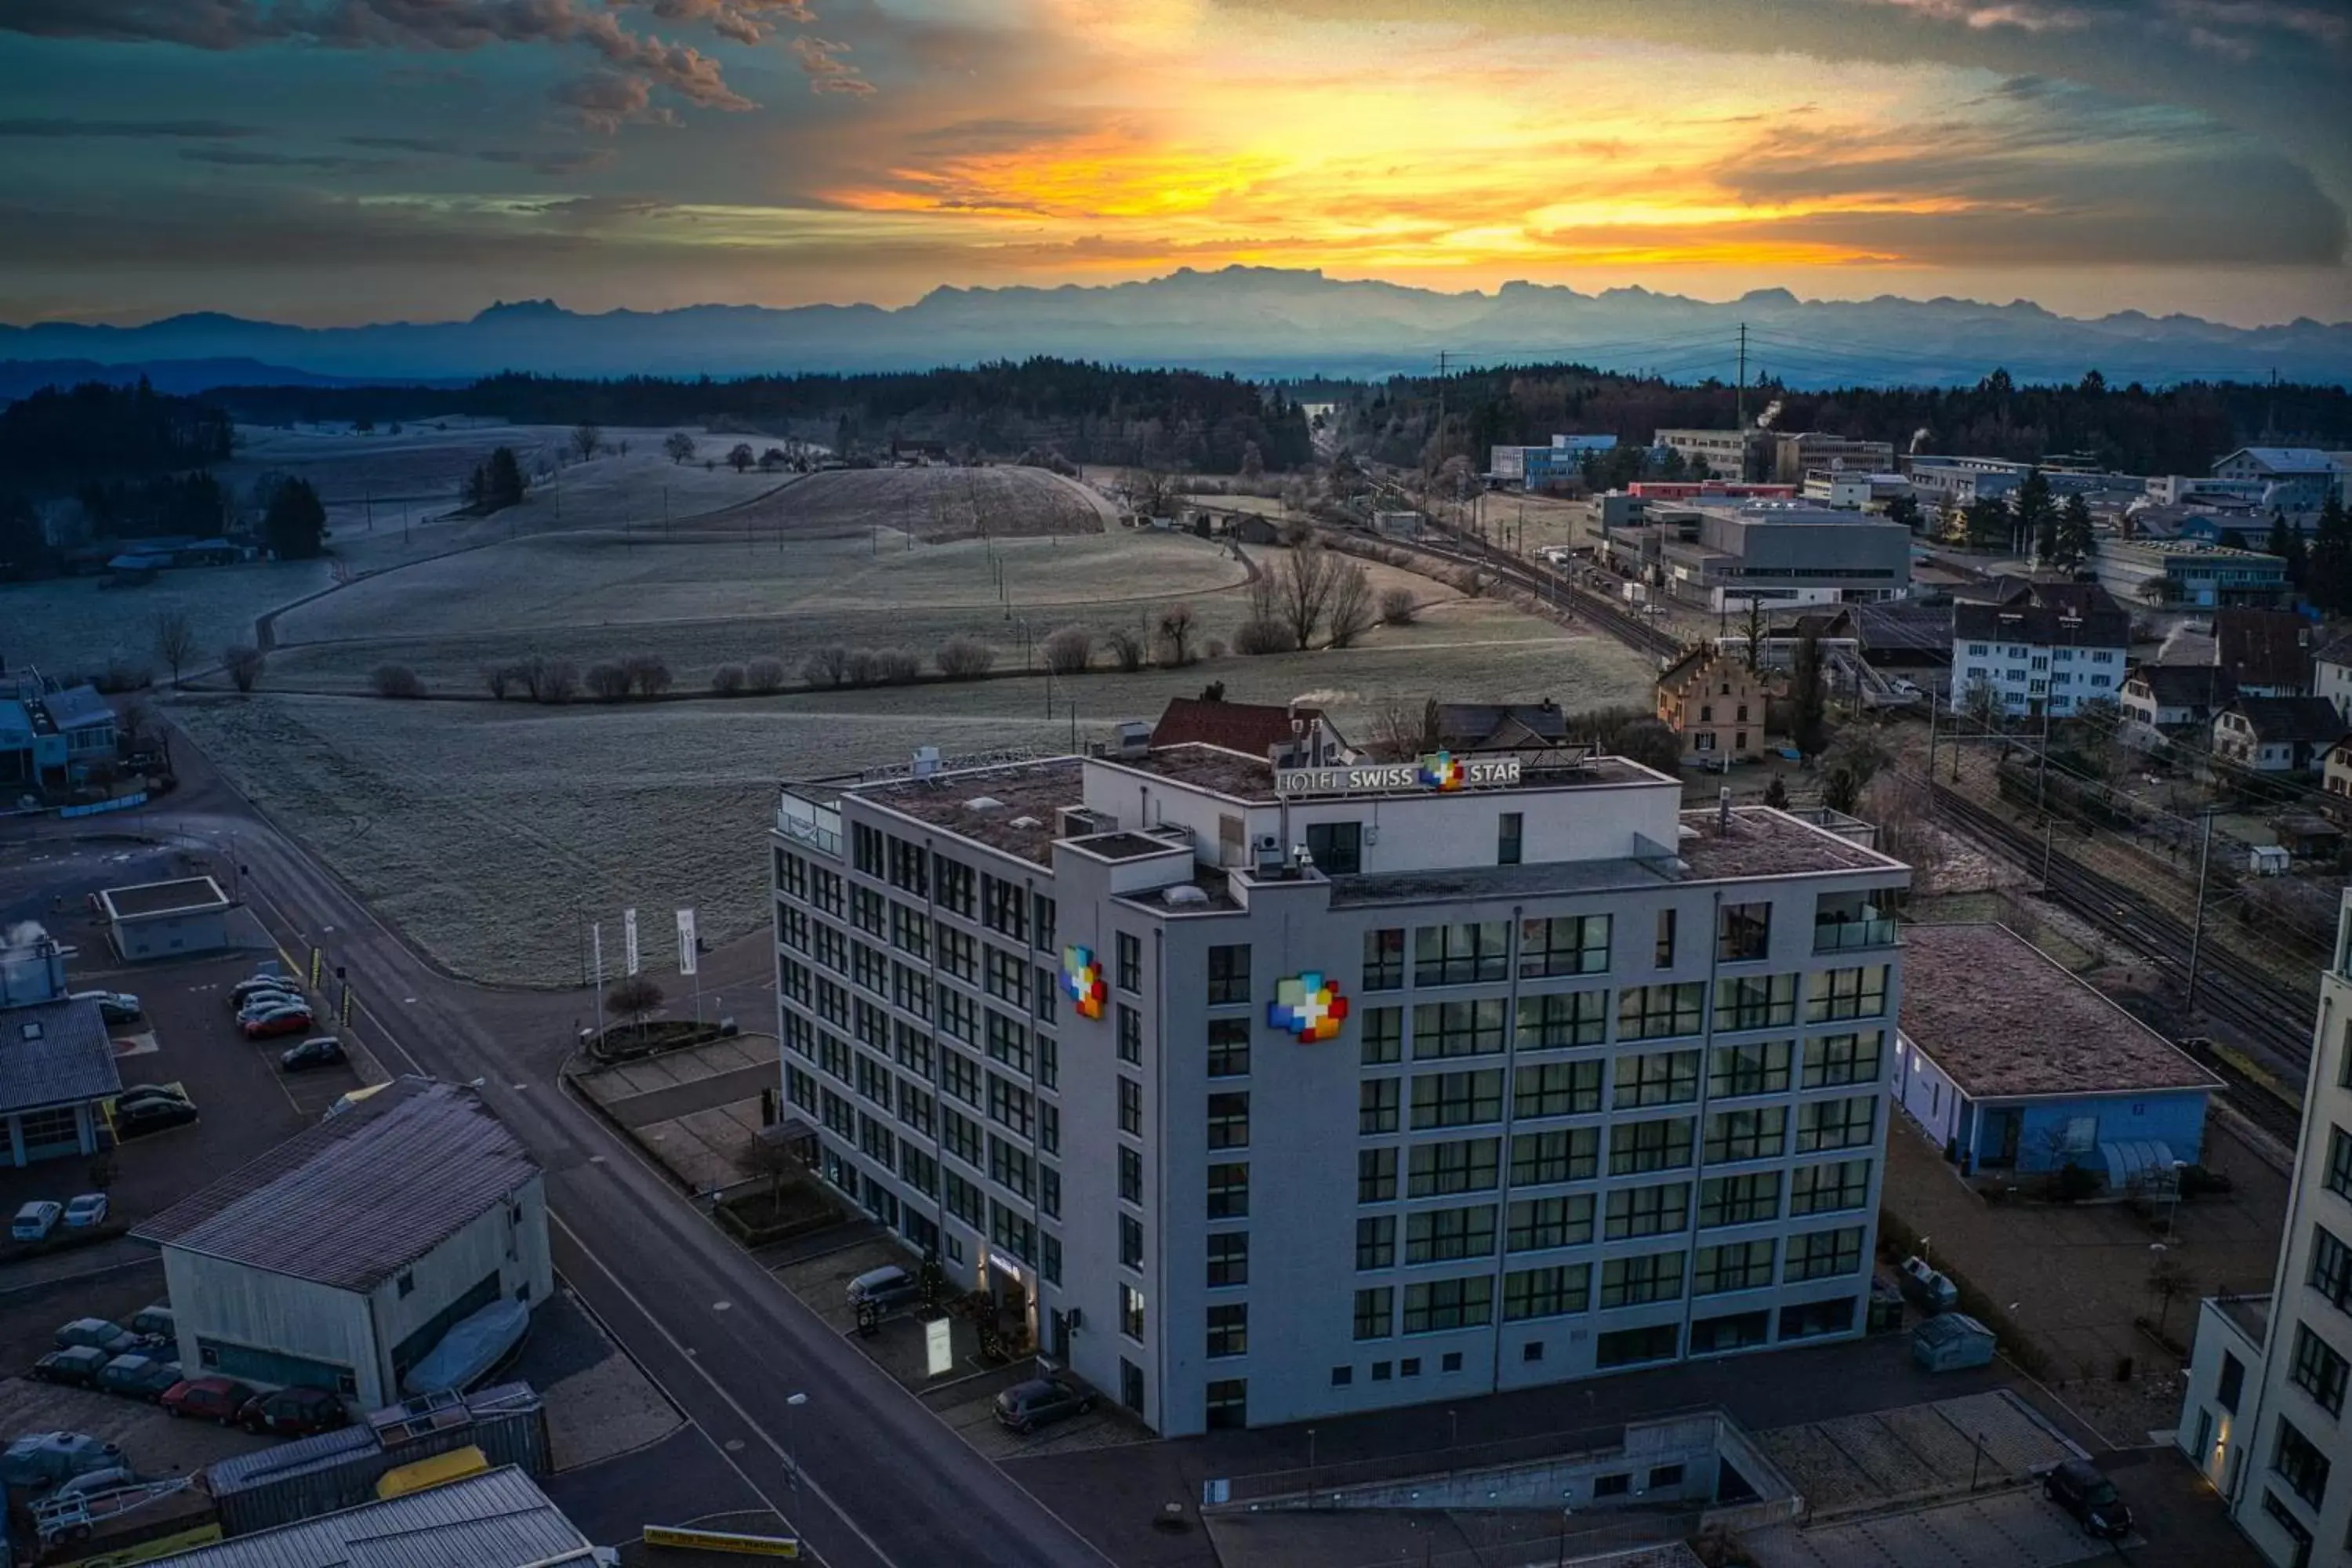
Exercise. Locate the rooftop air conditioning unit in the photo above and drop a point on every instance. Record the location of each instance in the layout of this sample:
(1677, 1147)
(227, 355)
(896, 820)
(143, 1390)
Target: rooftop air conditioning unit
(1183, 894)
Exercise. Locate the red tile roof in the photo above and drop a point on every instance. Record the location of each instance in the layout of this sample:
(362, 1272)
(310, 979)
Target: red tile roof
(1252, 728)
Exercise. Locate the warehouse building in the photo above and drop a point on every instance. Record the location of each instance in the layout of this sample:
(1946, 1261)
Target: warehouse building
(57, 1072)
(1782, 553)
(339, 1260)
(166, 919)
(497, 1519)
(1267, 1091)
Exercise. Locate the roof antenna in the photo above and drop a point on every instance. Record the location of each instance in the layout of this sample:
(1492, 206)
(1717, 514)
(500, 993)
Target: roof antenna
(1723, 809)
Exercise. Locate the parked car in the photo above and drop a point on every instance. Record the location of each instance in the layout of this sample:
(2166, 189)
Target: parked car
(85, 1210)
(172, 1092)
(319, 1051)
(294, 1413)
(1025, 1406)
(2078, 1487)
(1928, 1285)
(112, 1338)
(208, 1398)
(290, 1021)
(44, 1458)
(254, 985)
(137, 1376)
(886, 1289)
(36, 1220)
(263, 1006)
(157, 1320)
(78, 1366)
(142, 1117)
(114, 1006)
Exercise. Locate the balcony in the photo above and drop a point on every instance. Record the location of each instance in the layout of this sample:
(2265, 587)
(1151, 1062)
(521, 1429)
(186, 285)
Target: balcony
(1844, 924)
(812, 819)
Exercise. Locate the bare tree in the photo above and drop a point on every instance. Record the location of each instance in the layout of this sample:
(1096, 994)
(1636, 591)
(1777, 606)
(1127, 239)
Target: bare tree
(826, 666)
(497, 678)
(726, 681)
(897, 665)
(1757, 628)
(1304, 585)
(1068, 651)
(608, 683)
(764, 675)
(242, 661)
(634, 997)
(2167, 1281)
(863, 668)
(1176, 624)
(1126, 647)
(964, 658)
(772, 1158)
(1149, 491)
(648, 672)
(175, 640)
(396, 680)
(587, 440)
(1350, 615)
(558, 681)
(1402, 729)
(1397, 607)
(740, 457)
(678, 445)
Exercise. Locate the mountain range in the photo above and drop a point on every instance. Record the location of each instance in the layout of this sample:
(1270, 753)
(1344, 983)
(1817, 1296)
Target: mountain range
(1254, 322)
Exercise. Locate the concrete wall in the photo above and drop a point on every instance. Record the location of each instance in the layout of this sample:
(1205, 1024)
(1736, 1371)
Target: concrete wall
(2174, 1117)
(1689, 1441)
(492, 1242)
(1925, 1092)
(172, 936)
(215, 1299)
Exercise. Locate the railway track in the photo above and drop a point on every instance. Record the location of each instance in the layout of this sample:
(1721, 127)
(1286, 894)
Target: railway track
(1556, 586)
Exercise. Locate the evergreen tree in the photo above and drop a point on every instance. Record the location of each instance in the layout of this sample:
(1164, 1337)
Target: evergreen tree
(2035, 517)
(1809, 724)
(296, 523)
(2280, 544)
(1904, 509)
(505, 481)
(2076, 541)
(2328, 578)
(1989, 523)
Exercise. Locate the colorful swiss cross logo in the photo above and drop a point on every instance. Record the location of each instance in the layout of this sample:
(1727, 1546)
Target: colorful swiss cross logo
(1082, 977)
(1439, 771)
(1308, 1006)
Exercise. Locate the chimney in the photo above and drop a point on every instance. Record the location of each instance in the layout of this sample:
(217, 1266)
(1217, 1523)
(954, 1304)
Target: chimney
(1723, 810)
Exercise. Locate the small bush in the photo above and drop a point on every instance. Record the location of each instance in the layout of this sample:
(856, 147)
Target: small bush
(558, 681)
(765, 675)
(1213, 648)
(964, 658)
(1069, 650)
(607, 682)
(396, 680)
(117, 678)
(1397, 607)
(726, 681)
(826, 666)
(1128, 649)
(499, 678)
(1252, 639)
(242, 661)
(648, 672)
(1471, 582)
(862, 668)
(897, 665)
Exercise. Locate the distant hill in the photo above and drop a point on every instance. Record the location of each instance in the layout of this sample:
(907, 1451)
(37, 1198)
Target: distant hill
(183, 377)
(1255, 321)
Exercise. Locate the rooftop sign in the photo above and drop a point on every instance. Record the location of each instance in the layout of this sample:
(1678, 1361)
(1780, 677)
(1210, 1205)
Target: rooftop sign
(1438, 772)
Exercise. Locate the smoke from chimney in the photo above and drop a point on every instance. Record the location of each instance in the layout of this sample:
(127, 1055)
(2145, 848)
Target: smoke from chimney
(1918, 439)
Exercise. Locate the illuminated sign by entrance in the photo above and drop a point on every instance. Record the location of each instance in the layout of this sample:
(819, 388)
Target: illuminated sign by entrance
(1439, 773)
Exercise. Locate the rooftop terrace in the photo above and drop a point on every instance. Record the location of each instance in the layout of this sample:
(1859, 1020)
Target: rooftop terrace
(1016, 808)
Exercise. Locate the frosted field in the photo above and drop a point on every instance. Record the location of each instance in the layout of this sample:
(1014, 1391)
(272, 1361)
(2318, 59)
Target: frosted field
(931, 504)
(71, 626)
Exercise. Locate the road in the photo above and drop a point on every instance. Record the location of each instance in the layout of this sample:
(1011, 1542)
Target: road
(882, 1482)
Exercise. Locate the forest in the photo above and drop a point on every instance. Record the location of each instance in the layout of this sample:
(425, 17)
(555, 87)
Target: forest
(57, 440)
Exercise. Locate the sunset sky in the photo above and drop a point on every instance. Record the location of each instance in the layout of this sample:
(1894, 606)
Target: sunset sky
(337, 161)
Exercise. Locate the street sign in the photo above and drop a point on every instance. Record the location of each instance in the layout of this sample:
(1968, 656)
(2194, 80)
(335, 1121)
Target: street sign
(629, 938)
(938, 1346)
(685, 947)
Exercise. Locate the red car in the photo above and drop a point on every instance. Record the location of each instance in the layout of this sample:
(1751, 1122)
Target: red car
(294, 1413)
(297, 1022)
(218, 1399)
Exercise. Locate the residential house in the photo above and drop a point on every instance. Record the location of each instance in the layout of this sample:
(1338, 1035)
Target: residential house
(2331, 674)
(1715, 704)
(2336, 772)
(2268, 652)
(2277, 735)
(2167, 696)
(1254, 728)
(2294, 480)
(2042, 645)
(1499, 726)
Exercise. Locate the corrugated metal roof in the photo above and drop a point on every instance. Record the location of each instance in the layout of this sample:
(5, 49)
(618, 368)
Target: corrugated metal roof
(326, 1450)
(499, 1519)
(77, 705)
(359, 1197)
(15, 726)
(55, 1053)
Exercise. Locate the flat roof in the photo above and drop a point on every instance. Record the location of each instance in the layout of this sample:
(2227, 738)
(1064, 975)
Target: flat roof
(2006, 1021)
(1251, 779)
(1757, 841)
(55, 1053)
(144, 900)
(1021, 813)
(499, 1518)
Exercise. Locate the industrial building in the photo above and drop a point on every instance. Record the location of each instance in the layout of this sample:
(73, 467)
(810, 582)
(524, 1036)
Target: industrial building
(2009, 1064)
(2187, 572)
(2263, 1415)
(496, 1519)
(1722, 555)
(1258, 1091)
(339, 1260)
(166, 919)
(1799, 453)
(57, 1071)
(2036, 646)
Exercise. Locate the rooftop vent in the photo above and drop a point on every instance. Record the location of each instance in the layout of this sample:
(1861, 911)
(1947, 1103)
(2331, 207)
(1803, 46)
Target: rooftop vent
(1184, 893)
(982, 803)
(925, 763)
(1027, 822)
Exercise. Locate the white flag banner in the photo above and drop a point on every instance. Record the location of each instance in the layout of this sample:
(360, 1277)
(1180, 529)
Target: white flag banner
(598, 931)
(686, 941)
(629, 938)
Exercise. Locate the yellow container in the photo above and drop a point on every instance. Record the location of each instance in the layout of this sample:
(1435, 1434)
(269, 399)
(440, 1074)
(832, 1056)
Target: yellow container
(440, 1469)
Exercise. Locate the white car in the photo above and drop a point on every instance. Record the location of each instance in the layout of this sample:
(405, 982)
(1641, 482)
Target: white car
(114, 1006)
(244, 991)
(85, 1210)
(36, 1220)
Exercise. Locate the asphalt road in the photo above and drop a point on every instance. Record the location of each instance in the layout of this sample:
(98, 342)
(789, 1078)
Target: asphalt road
(881, 1482)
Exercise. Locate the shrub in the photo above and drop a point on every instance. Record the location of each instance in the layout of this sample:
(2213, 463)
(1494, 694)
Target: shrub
(607, 682)
(1254, 637)
(242, 661)
(396, 680)
(1069, 650)
(826, 666)
(964, 658)
(648, 672)
(499, 678)
(1351, 612)
(765, 675)
(1470, 582)
(1213, 648)
(862, 668)
(1128, 649)
(726, 681)
(897, 665)
(558, 681)
(1397, 607)
(1636, 734)
(118, 677)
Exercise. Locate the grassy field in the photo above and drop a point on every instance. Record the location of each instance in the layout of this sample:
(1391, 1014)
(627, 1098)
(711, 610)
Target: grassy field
(72, 625)
(930, 504)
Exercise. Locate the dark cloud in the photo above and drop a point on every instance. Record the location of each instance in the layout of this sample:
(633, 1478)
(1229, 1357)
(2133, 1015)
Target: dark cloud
(247, 158)
(220, 130)
(563, 161)
(744, 21)
(606, 100)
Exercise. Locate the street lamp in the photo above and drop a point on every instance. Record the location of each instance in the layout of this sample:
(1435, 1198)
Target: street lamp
(792, 1436)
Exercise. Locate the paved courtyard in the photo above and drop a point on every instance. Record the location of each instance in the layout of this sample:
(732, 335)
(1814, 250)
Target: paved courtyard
(2013, 1529)
(695, 1110)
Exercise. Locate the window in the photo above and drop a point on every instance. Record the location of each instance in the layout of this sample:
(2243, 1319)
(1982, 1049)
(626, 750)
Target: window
(1436, 1305)
(1341, 1376)
(1457, 1099)
(1573, 1154)
(1228, 1330)
(1009, 1167)
(2300, 1464)
(907, 861)
(1005, 975)
(1555, 1089)
(2317, 1370)
(1646, 1277)
(1835, 1123)
(962, 1137)
(1376, 1175)
(959, 1017)
(1638, 1146)
(1130, 1174)
(1228, 1191)
(2297, 1533)
(1459, 954)
(1738, 1331)
(1745, 932)
(1662, 953)
(1004, 908)
(1009, 1106)
(1131, 1249)
(1756, 1001)
(960, 1076)
(1566, 1019)
(953, 884)
(1848, 993)
(1433, 1170)
(1738, 1200)
(1626, 1347)
(1736, 1266)
(1382, 1034)
(1131, 1385)
(1617, 1485)
(960, 954)
(1563, 944)
(1008, 1042)
(866, 908)
(1130, 960)
(1537, 1225)
(1654, 1012)
(2232, 1383)
(1049, 1127)
(1842, 1059)
(866, 848)
(1737, 1070)
(1229, 1047)
(1665, 1476)
(1377, 1100)
(1228, 1258)
(1383, 959)
(1647, 1211)
(1043, 908)
(1457, 1028)
(1507, 831)
(1758, 1134)
(791, 874)
(1817, 1317)
(1047, 992)
(406, 1282)
(1661, 1078)
(1130, 1106)
(1229, 974)
(1049, 1190)
(1336, 848)
(1824, 1189)
(1375, 1241)
(2339, 1162)
(1444, 1236)
(1131, 1036)
(1376, 1312)
(2331, 1268)
(1824, 1254)
(1548, 1292)
(1229, 1120)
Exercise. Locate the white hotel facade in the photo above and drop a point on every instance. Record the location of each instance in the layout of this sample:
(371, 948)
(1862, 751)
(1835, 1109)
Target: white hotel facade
(1277, 1096)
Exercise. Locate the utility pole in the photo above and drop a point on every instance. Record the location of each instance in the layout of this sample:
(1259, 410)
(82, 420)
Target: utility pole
(2197, 925)
(1441, 408)
(1743, 396)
